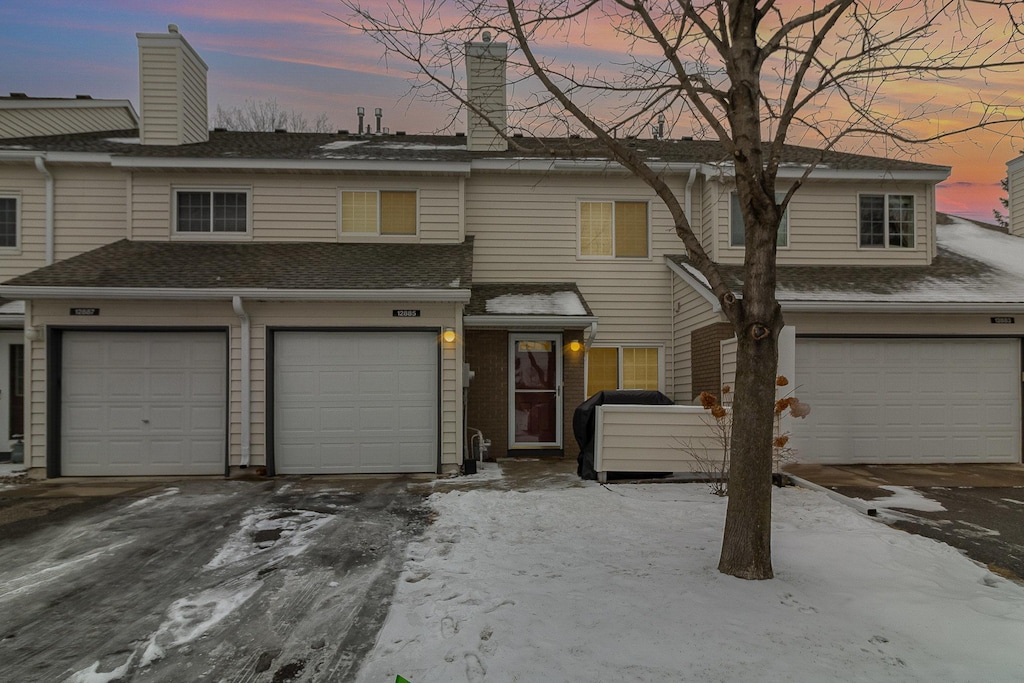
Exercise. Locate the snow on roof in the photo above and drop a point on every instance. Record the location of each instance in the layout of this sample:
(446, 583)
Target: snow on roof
(341, 144)
(557, 303)
(12, 308)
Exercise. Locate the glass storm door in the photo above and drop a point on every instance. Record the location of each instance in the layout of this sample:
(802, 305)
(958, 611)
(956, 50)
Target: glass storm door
(535, 367)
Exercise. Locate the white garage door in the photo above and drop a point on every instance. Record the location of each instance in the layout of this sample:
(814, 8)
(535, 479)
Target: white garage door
(143, 403)
(909, 400)
(348, 402)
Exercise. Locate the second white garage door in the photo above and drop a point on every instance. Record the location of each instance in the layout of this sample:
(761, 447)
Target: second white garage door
(909, 400)
(350, 402)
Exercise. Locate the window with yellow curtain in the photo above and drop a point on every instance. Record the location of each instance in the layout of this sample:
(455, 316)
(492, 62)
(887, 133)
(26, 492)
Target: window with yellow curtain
(616, 229)
(359, 212)
(397, 213)
(622, 367)
(386, 212)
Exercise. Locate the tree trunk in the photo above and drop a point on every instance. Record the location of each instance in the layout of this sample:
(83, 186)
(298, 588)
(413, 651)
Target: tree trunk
(746, 544)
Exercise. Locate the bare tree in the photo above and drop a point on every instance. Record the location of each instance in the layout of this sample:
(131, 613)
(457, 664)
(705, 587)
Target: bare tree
(756, 75)
(267, 116)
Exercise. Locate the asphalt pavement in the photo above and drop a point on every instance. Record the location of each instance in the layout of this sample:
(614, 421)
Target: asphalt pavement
(199, 579)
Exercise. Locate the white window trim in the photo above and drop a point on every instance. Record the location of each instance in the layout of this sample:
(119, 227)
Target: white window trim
(16, 249)
(728, 227)
(229, 236)
(885, 243)
(579, 230)
(360, 236)
(619, 347)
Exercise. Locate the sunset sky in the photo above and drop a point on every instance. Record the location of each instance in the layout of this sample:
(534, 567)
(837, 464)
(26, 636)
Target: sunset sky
(295, 53)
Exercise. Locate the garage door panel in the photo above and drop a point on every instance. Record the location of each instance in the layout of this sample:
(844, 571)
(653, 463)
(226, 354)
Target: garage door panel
(365, 386)
(949, 400)
(136, 403)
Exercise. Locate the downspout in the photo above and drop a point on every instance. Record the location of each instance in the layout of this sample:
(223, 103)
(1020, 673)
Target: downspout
(236, 303)
(41, 167)
(687, 197)
(592, 335)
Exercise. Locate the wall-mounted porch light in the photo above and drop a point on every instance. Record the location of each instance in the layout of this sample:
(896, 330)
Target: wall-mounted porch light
(448, 336)
(575, 346)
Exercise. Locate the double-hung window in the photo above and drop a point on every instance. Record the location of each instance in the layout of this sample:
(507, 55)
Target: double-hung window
(738, 231)
(622, 367)
(9, 233)
(614, 229)
(886, 220)
(384, 212)
(211, 211)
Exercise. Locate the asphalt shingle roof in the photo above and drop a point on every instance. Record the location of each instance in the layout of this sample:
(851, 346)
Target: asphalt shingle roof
(263, 265)
(327, 146)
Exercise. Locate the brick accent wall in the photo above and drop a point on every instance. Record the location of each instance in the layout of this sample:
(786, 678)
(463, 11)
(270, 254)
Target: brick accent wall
(706, 357)
(487, 408)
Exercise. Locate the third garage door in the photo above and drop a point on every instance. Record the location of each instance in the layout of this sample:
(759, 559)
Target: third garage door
(909, 400)
(355, 401)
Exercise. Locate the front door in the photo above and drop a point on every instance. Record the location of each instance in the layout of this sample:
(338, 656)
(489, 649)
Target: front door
(535, 367)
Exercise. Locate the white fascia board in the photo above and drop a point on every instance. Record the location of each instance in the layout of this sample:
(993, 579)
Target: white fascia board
(441, 295)
(320, 164)
(50, 157)
(698, 286)
(987, 308)
(529, 321)
(822, 173)
(44, 103)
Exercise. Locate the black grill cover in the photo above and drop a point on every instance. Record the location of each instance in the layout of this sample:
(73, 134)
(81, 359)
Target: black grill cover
(584, 420)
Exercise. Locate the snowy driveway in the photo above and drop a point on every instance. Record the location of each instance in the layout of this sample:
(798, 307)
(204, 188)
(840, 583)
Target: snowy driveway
(203, 580)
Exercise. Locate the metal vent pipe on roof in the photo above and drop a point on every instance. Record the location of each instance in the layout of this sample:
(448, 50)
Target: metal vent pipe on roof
(378, 113)
(360, 112)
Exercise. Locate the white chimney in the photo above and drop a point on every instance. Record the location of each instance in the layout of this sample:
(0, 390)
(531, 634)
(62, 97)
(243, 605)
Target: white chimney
(172, 90)
(485, 90)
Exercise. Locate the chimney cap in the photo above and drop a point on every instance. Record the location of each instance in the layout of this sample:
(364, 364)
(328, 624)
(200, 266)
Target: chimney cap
(19, 95)
(172, 28)
(486, 37)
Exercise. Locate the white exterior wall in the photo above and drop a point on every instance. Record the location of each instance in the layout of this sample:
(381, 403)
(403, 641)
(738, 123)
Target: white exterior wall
(824, 224)
(60, 119)
(1015, 179)
(172, 90)
(295, 208)
(656, 439)
(526, 230)
(89, 211)
(219, 314)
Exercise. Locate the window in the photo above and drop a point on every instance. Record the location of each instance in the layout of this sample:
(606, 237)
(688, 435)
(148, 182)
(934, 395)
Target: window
(386, 212)
(887, 220)
(201, 211)
(617, 229)
(8, 222)
(737, 231)
(622, 367)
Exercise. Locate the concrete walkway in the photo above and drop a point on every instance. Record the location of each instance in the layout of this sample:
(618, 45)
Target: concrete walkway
(917, 476)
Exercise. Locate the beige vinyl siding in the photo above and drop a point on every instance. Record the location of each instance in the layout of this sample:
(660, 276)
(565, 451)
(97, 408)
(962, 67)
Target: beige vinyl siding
(90, 209)
(526, 229)
(709, 204)
(296, 208)
(655, 439)
(29, 186)
(486, 85)
(60, 120)
(691, 312)
(262, 314)
(729, 347)
(194, 108)
(823, 226)
(1015, 176)
(172, 84)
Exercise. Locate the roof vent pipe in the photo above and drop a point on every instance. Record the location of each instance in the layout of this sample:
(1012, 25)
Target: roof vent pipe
(360, 112)
(378, 113)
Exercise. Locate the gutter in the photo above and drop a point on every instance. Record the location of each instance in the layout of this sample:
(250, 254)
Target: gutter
(236, 304)
(986, 307)
(528, 321)
(41, 167)
(403, 295)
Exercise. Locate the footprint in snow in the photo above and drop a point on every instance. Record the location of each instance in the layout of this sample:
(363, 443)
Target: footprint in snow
(475, 671)
(449, 627)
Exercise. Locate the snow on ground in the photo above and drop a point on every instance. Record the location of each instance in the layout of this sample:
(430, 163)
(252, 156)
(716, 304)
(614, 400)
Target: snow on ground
(906, 498)
(285, 534)
(620, 584)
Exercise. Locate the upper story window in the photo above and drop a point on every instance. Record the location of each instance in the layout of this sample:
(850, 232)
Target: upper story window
(211, 211)
(737, 229)
(886, 220)
(615, 229)
(384, 212)
(8, 222)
